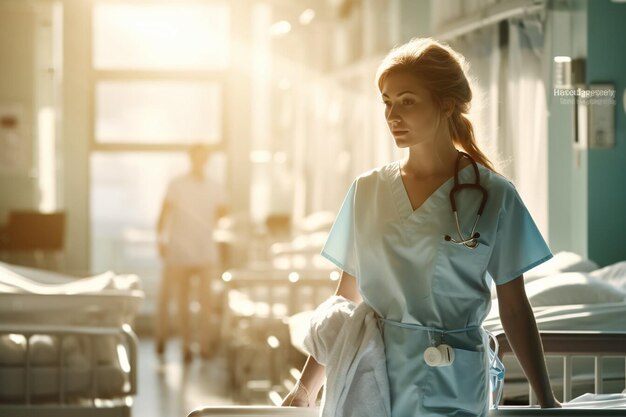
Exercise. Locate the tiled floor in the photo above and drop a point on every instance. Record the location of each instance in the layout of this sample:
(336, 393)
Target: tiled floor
(167, 388)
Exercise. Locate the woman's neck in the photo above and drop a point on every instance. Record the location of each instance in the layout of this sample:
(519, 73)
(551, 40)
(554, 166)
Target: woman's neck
(427, 160)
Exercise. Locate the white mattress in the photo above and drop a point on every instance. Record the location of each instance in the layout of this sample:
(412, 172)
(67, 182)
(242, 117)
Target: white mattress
(29, 295)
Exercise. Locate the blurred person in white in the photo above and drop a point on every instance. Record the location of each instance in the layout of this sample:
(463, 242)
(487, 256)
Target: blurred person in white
(192, 205)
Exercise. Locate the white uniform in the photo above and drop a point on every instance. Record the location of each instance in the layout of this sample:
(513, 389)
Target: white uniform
(192, 221)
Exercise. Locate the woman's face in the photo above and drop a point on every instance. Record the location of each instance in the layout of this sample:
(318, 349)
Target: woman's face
(409, 109)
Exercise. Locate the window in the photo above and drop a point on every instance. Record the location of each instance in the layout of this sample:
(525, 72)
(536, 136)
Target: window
(158, 75)
(155, 36)
(158, 112)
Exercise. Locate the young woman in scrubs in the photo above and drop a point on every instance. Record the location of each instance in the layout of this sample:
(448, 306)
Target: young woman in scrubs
(388, 240)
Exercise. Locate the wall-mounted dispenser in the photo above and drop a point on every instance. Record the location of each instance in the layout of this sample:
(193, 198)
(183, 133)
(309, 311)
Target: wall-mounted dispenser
(594, 106)
(562, 72)
(601, 105)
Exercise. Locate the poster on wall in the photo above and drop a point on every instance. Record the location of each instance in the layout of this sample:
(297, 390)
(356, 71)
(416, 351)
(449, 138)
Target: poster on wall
(14, 156)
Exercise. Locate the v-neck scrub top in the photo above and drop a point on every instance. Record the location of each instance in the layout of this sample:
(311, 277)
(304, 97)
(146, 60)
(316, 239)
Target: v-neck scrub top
(411, 276)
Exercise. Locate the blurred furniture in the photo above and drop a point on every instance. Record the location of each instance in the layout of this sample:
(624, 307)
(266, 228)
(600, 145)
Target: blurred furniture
(259, 298)
(34, 239)
(278, 224)
(255, 330)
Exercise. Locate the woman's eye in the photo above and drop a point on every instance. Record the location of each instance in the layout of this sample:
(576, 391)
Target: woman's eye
(406, 102)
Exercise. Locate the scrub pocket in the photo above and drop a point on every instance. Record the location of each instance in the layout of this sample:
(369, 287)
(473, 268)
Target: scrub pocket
(459, 270)
(459, 389)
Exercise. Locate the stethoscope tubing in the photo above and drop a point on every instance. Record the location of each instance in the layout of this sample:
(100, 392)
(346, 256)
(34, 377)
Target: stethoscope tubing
(470, 242)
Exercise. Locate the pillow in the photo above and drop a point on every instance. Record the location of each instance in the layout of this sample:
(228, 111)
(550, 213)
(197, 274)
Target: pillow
(561, 262)
(572, 288)
(614, 274)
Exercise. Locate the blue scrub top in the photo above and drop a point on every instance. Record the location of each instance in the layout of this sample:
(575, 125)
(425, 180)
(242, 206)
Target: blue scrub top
(411, 275)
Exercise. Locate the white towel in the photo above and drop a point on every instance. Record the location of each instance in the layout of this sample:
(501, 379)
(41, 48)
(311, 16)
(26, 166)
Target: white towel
(346, 339)
(590, 400)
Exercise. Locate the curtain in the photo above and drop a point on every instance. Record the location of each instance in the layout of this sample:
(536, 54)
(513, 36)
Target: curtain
(509, 108)
(481, 49)
(525, 123)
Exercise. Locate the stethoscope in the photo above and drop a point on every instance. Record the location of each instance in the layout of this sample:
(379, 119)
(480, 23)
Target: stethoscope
(472, 241)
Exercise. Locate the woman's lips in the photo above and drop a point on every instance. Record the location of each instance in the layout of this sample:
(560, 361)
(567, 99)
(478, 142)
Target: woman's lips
(399, 132)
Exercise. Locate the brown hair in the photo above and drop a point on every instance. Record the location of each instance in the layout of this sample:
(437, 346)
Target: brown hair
(443, 71)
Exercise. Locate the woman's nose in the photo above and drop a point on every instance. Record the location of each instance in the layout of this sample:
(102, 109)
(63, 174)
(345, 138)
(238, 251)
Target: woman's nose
(392, 117)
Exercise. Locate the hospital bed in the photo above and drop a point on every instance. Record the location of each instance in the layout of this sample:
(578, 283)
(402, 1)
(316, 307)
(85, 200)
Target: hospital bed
(587, 302)
(66, 344)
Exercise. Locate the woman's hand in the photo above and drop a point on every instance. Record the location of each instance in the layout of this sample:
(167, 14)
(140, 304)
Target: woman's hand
(552, 404)
(298, 397)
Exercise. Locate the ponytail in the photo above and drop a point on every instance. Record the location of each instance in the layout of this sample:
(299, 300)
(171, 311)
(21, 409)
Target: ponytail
(462, 132)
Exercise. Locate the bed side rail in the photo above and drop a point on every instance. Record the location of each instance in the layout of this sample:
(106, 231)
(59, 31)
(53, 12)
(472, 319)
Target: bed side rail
(570, 344)
(128, 335)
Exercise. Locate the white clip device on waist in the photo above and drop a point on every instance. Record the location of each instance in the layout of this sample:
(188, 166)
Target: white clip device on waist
(441, 355)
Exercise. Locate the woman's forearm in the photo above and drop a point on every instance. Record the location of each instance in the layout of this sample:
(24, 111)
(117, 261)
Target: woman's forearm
(522, 333)
(313, 374)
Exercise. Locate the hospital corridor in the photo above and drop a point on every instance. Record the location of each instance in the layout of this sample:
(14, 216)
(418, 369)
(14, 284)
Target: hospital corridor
(312, 208)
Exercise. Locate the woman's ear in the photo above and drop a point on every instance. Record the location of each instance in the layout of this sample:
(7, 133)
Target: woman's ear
(448, 108)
